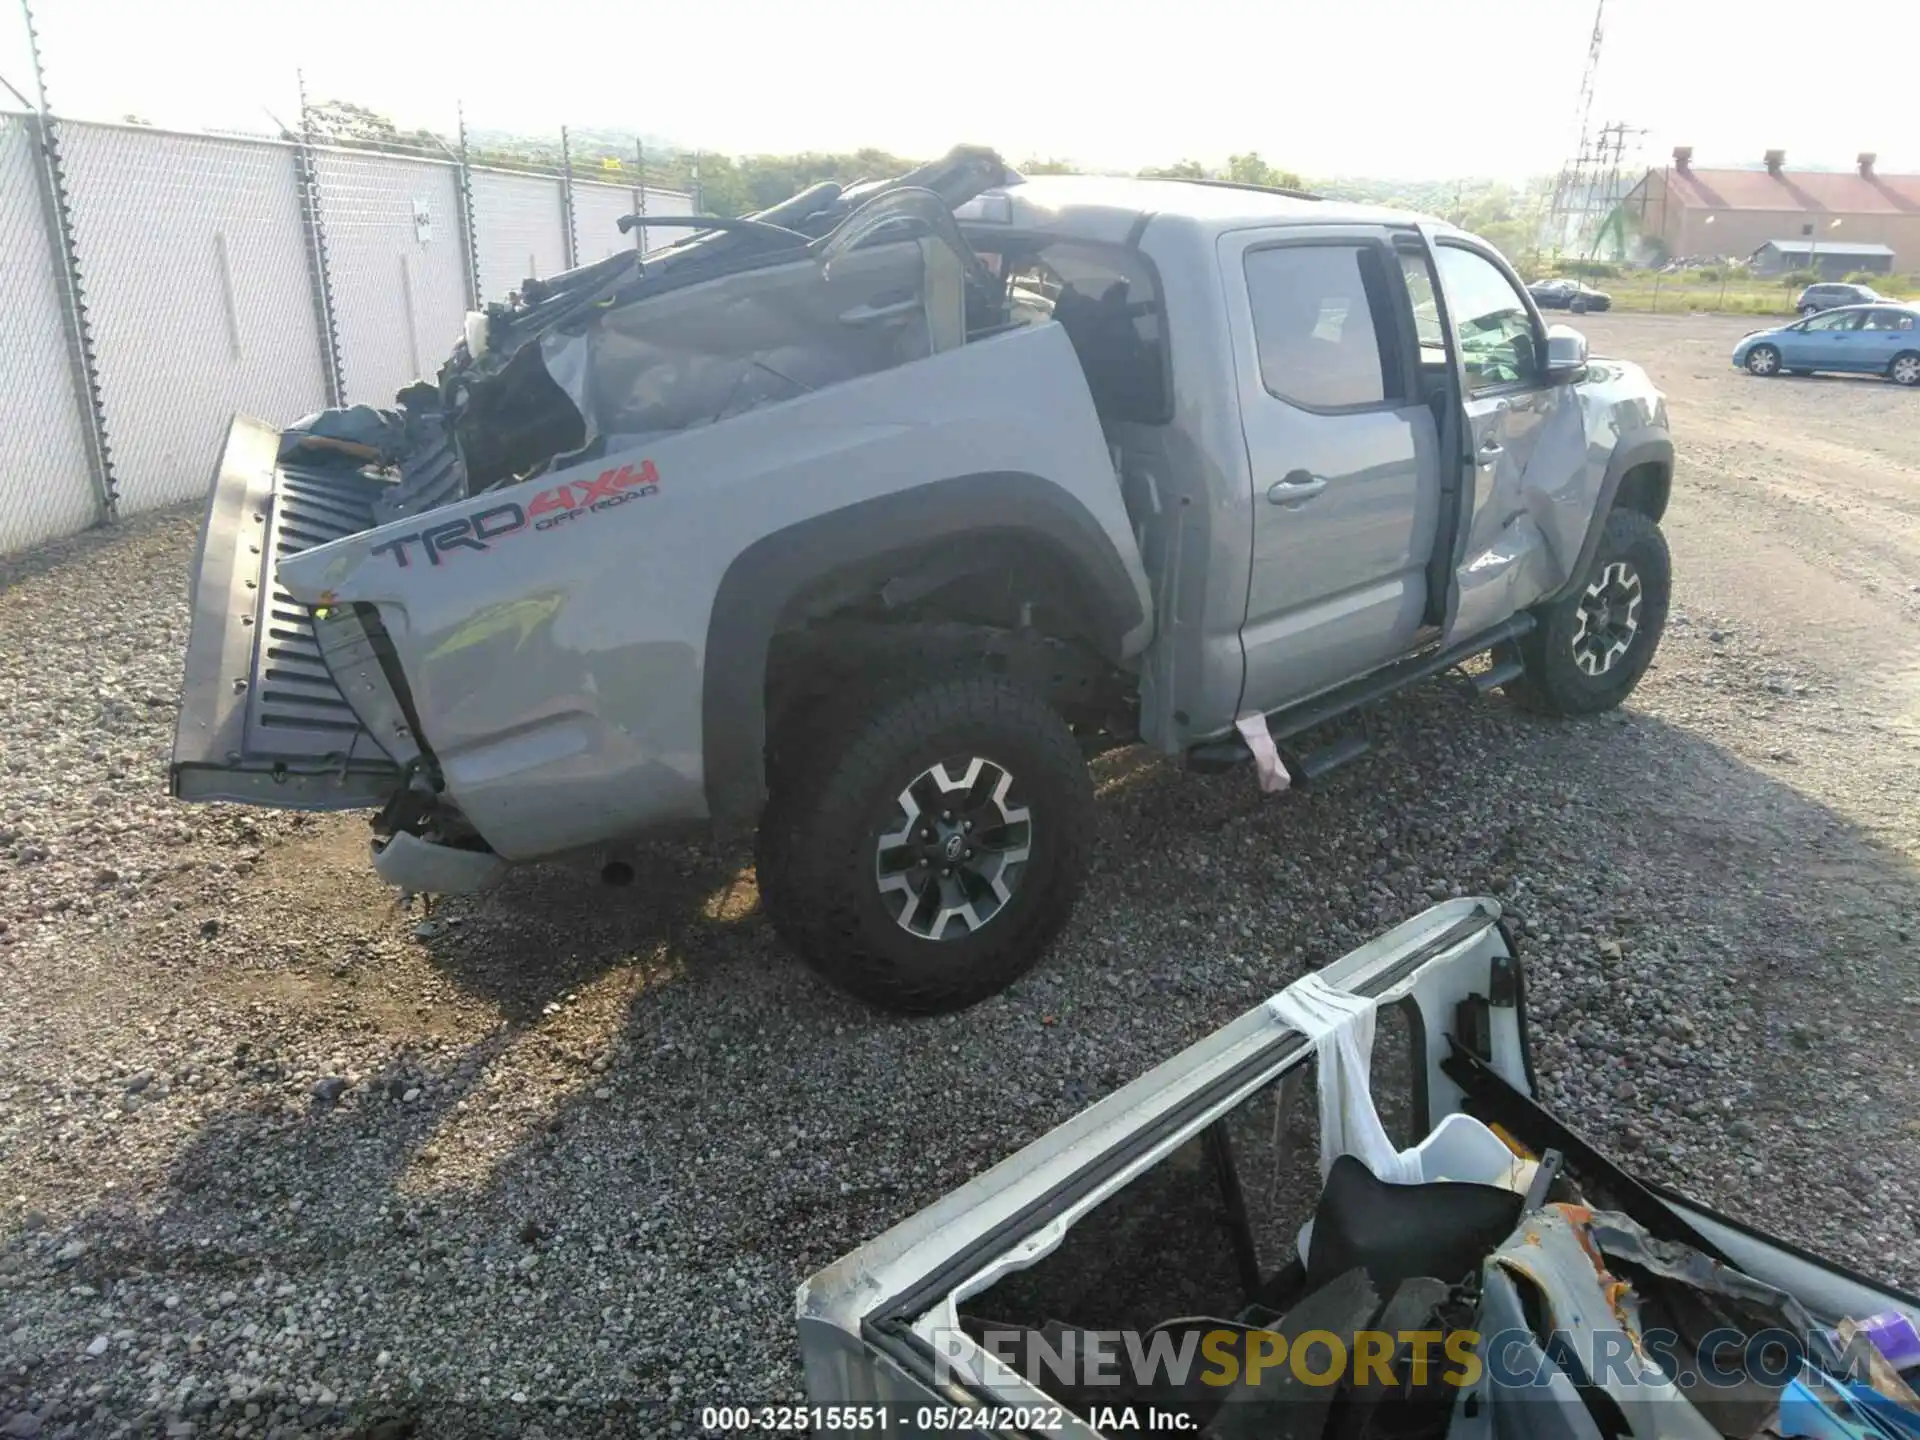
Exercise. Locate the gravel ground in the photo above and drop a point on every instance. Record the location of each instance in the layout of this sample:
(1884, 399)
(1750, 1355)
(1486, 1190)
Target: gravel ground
(276, 1156)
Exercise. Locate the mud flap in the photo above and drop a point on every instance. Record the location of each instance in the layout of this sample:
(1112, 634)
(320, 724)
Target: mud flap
(262, 720)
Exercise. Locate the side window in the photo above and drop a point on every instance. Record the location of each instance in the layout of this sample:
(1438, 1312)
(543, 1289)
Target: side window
(1495, 330)
(1322, 322)
(1426, 309)
(1836, 320)
(1888, 320)
(1106, 299)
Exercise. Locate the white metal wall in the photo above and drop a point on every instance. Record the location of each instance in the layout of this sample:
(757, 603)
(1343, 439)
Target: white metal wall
(45, 488)
(597, 209)
(665, 202)
(520, 222)
(393, 255)
(194, 268)
(596, 214)
(197, 281)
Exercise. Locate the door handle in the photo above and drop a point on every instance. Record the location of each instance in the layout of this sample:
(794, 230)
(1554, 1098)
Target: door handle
(1299, 485)
(1491, 447)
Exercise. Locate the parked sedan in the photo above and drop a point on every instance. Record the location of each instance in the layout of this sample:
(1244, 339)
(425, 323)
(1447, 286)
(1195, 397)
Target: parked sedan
(1574, 295)
(1832, 295)
(1860, 339)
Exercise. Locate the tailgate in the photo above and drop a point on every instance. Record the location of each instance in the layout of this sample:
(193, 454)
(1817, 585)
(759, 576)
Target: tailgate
(262, 721)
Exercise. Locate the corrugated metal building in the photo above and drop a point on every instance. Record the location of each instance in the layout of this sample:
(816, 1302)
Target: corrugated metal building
(1833, 261)
(1734, 213)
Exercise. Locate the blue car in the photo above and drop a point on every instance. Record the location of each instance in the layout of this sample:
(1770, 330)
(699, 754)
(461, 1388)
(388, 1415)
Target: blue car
(1880, 339)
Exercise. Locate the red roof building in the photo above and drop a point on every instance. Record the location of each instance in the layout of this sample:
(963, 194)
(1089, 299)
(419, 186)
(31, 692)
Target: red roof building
(1732, 213)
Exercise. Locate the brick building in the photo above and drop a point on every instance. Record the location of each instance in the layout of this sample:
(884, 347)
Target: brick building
(1734, 213)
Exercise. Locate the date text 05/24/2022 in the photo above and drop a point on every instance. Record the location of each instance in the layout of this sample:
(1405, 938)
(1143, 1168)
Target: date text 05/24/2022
(931, 1419)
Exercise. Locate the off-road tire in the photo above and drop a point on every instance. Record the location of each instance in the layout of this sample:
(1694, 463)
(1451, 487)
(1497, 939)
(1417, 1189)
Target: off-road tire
(826, 815)
(1555, 683)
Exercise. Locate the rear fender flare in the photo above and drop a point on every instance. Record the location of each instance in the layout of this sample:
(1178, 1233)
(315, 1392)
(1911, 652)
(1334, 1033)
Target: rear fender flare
(1645, 446)
(866, 542)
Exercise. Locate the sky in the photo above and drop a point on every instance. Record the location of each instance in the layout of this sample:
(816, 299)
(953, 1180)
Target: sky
(1383, 88)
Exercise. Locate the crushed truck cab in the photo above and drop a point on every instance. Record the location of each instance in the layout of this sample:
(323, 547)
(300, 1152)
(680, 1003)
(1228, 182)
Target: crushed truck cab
(863, 520)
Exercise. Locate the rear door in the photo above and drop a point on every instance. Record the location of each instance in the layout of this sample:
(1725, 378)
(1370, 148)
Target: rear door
(1885, 334)
(1344, 459)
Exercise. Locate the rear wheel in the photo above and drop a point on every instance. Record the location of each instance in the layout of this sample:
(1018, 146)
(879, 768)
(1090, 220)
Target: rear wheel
(1763, 360)
(1589, 649)
(932, 843)
(1905, 369)
(1806, 310)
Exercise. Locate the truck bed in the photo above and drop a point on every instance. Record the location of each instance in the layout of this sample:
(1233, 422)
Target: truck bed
(262, 719)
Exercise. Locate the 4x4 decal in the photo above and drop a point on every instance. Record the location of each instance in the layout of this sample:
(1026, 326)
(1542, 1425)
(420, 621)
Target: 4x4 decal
(546, 511)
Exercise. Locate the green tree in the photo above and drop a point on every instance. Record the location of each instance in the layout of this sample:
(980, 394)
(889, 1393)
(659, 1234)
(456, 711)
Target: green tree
(1179, 170)
(1250, 169)
(341, 122)
(1247, 169)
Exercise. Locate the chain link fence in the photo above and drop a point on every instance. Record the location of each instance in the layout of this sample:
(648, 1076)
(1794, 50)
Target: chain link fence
(46, 487)
(520, 222)
(597, 209)
(194, 274)
(395, 266)
(209, 274)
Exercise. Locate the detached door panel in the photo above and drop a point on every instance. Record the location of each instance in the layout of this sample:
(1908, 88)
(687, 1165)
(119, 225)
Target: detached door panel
(1345, 465)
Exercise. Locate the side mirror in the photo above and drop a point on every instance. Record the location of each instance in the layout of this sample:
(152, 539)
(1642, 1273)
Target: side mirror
(1566, 354)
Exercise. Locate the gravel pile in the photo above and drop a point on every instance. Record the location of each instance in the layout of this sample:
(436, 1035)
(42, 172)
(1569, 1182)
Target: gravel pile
(281, 1158)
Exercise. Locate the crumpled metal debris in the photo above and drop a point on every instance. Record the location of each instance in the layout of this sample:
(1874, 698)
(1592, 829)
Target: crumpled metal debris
(1592, 1323)
(1697, 1298)
(361, 432)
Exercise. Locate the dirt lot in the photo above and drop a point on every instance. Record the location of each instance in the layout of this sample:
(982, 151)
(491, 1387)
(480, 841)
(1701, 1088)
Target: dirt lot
(589, 1142)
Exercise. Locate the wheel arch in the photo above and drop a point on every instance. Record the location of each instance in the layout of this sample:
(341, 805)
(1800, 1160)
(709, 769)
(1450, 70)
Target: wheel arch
(914, 537)
(1639, 476)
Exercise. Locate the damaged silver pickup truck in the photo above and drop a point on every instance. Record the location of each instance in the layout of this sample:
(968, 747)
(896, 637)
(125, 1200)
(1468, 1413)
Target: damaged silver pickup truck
(865, 519)
(1346, 1216)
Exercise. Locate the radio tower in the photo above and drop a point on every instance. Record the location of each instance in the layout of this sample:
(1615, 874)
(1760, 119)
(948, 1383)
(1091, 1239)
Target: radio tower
(1575, 175)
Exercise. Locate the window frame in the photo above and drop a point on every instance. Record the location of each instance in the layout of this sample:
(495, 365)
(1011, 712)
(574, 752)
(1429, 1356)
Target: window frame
(1807, 326)
(1009, 240)
(1527, 305)
(1398, 335)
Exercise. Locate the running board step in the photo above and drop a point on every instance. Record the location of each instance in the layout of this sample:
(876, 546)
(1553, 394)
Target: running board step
(1217, 755)
(1316, 764)
(1501, 672)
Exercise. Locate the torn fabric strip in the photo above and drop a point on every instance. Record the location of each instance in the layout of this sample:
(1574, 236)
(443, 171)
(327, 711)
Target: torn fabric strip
(1272, 774)
(1341, 1029)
